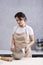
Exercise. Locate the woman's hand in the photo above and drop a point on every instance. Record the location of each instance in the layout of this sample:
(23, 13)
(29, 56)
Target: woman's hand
(12, 48)
(27, 46)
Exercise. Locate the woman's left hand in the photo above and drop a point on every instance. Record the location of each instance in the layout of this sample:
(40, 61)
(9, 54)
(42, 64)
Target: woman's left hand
(27, 47)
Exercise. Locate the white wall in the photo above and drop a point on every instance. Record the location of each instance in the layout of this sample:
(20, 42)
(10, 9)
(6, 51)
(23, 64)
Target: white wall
(34, 12)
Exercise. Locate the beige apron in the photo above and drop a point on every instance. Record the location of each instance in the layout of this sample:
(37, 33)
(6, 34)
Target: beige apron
(19, 40)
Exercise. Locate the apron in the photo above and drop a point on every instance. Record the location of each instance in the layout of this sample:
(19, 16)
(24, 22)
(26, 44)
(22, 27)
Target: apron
(21, 38)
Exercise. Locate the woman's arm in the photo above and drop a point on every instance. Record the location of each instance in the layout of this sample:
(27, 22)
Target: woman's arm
(31, 40)
(12, 43)
(28, 46)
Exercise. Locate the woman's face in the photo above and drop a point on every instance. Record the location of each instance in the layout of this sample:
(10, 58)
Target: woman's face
(20, 22)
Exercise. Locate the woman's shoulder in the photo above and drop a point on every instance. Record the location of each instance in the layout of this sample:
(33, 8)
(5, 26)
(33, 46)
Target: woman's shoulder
(30, 30)
(29, 27)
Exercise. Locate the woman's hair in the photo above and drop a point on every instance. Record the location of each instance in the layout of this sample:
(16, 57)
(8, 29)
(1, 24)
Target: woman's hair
(20, 15)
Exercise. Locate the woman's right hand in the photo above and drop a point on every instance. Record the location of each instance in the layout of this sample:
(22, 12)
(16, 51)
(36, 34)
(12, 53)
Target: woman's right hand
(12, 48)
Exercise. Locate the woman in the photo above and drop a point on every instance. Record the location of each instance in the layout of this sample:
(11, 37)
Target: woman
(23, 36)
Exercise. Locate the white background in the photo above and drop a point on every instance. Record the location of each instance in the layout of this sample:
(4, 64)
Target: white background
(34, 12)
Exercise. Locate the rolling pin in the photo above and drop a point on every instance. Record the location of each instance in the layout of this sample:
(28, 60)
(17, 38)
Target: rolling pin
(5, 58)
